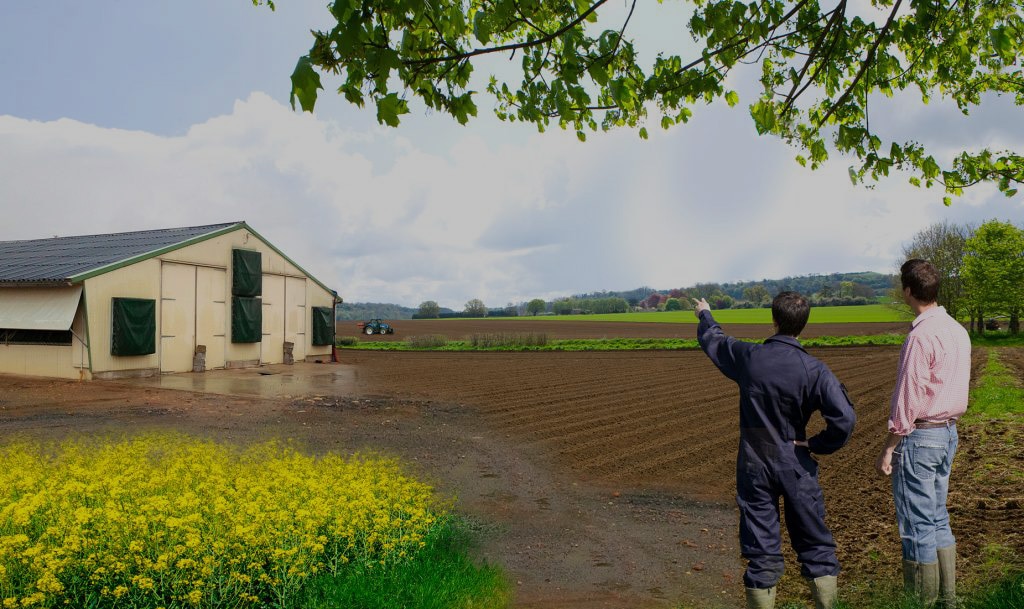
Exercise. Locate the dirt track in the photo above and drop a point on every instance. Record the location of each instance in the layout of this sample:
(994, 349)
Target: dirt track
(597, 479)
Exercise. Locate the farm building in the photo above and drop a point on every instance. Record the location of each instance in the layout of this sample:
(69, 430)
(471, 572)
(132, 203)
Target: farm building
(157, 301)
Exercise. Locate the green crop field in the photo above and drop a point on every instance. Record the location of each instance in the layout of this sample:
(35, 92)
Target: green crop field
(819, 315)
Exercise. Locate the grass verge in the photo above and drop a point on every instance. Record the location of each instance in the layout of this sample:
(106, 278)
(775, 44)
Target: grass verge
(1005, 593)
(441, 575)
(819, 315)
(533, 342)
(998, 393)
(997, 339)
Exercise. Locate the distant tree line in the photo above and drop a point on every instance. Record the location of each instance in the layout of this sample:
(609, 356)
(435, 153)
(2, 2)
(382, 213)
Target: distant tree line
(982, 269)
(865, 284)
(576, 306)
(359, 311)
(429, 309)
(824, 290)
(836, 289)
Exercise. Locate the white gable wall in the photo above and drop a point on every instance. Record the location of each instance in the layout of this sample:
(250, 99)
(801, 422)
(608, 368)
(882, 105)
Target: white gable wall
(192, 289)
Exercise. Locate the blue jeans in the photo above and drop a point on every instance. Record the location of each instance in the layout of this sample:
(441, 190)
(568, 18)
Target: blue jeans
(920, 485)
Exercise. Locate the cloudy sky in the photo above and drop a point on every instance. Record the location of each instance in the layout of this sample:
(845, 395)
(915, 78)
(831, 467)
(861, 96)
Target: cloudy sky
(119, 116)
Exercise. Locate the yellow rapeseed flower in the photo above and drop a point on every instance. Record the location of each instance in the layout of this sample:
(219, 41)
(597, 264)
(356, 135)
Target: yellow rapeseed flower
(147, 518)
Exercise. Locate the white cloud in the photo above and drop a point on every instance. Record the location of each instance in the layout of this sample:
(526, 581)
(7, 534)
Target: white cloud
(495, 213)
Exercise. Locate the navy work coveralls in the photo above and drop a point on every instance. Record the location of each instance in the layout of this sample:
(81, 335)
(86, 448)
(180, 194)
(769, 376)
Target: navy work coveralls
(781, 386)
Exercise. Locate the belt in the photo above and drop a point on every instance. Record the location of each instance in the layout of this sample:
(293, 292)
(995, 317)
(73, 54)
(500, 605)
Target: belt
(934, 424)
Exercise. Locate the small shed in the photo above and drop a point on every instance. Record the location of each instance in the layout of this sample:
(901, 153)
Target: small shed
(158, 301)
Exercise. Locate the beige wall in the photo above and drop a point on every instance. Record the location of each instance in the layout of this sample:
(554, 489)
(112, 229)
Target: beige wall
(141, 280)
(192, 288)
(57, 361)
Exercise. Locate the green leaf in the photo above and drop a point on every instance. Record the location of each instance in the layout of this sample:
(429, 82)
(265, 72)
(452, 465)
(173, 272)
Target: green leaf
(643, 133)
(732, 98)
(764, 117)
(462, 108)
(481, 29)
(599, 72)
(818, 151)
(389, 108)
(1001, 42)
(305, 83)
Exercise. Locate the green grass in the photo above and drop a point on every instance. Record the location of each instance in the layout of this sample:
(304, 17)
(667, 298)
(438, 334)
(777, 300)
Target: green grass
(997, 339)
(998, 393)
(819, 315)
(440, 576)
(511, 343)
(1006, 592)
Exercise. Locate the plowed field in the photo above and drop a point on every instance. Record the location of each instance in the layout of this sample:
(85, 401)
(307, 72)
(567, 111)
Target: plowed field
(668, 420)
(460, 329)
(1014, 358)
(646, 418)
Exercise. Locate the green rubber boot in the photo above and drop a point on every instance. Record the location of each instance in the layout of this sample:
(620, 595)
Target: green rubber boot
(824, 589)
(911, 578)
(921, 580)
(761, 598)
(947, 577)
(929, 591)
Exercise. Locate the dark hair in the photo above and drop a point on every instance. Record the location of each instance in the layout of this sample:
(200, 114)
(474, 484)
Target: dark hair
(790, 312)
(922, 278)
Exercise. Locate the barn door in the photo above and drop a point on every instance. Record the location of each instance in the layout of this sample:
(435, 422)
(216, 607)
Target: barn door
(211, 314)
(295, 319)
(273, 320)
(177, 317)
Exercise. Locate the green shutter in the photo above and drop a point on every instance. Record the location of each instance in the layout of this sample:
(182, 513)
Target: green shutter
(323, 326)
(246, 320)
(246, 273)
(132, 326)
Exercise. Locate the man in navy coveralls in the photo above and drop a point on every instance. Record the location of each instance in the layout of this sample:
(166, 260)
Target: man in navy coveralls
(781, 386)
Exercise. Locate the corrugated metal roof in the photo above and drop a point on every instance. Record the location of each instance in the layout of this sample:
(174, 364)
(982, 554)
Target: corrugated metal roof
(59, 259)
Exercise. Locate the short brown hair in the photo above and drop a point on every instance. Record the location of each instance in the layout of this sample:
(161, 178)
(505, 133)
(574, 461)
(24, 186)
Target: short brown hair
(790, 312)
(922, 278)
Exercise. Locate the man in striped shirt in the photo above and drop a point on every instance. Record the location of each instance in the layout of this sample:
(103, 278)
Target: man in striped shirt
(930, 395)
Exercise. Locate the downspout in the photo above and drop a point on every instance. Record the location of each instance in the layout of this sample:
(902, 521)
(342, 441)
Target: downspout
(334, 327)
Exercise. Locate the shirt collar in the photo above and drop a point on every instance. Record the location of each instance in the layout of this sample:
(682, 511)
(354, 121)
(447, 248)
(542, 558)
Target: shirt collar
(930, 313)
(789, 340)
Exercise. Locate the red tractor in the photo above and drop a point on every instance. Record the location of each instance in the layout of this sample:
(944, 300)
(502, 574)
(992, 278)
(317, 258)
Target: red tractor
(375, 326)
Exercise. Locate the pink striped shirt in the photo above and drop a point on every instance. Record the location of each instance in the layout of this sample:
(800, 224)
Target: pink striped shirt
(934, 373)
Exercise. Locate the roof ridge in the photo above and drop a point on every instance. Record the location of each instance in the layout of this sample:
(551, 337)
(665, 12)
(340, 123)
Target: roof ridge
(63, 259)
(216, 226)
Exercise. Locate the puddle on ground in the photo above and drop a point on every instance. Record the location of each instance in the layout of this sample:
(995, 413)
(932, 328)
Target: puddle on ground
(267, 381)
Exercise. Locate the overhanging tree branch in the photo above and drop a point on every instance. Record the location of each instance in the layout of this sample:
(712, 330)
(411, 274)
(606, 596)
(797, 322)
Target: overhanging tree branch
(868, 61)
(511, 47)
